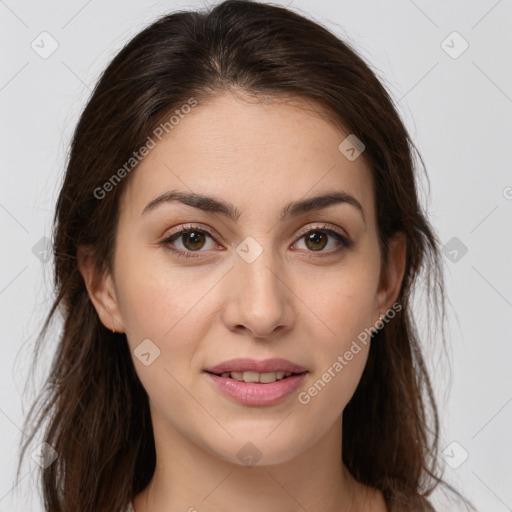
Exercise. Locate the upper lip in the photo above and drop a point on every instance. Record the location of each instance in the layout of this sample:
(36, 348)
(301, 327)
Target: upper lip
(253, 365)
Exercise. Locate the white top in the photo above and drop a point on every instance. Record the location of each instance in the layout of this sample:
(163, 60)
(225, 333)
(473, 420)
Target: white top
(129, 508)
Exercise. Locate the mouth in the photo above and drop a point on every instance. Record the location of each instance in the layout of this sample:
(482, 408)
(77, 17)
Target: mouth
(257, 377)
(257, 382)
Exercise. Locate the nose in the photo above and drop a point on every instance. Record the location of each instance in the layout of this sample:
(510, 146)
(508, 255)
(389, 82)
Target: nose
(258, 299)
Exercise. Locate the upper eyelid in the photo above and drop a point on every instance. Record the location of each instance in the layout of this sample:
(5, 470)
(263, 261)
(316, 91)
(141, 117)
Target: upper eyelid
(190, 227)
(327, 226)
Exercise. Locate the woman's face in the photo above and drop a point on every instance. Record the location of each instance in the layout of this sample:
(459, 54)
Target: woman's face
(264, 280)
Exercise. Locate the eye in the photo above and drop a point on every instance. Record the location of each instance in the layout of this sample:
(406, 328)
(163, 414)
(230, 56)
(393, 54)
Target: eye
(192, 238)
(317, 239)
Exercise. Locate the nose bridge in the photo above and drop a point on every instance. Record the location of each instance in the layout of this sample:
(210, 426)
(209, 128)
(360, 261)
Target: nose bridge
(260, 301)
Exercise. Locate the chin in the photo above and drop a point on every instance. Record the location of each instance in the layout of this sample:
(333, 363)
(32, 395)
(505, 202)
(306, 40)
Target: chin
(258, 450)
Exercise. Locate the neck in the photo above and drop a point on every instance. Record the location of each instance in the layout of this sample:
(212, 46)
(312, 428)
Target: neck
(189, 477)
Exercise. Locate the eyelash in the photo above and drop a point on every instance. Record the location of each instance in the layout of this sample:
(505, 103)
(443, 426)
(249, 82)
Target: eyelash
(345, 241)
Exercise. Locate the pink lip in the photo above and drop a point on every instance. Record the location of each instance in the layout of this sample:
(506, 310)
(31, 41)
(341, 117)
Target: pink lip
(252, 365)
(256, 393)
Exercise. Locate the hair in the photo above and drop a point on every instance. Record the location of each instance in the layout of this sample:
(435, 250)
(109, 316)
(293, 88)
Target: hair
(93, 408)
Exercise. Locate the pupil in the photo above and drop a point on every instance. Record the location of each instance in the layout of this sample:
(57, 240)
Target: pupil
(314, 237)
(195, 244)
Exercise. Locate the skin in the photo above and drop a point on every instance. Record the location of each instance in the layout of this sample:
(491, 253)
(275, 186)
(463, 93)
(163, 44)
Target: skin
(201, 311)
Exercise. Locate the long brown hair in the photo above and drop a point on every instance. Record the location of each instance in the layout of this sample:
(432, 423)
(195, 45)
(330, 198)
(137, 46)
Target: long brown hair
(93, 407)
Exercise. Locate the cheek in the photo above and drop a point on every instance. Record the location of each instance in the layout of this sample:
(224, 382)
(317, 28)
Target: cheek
(335, 378)
(160, 303)
(154, 295)
(346, 308)
(345, 302)
(166, 304)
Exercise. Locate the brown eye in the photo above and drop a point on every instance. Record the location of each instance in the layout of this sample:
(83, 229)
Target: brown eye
(193, 240)
(188, 241)
(316, 240)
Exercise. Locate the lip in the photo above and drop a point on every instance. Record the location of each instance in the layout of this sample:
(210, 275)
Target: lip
(256, 393)
(253, 365)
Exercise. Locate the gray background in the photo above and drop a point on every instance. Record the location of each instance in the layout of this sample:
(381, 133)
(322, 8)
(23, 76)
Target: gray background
(458, 109)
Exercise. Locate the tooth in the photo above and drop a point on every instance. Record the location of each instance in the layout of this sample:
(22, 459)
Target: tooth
(266, 378)
(254, 377)
(251, 376)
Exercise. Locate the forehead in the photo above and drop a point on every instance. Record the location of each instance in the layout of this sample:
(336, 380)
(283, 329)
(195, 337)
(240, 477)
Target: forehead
(250, 152)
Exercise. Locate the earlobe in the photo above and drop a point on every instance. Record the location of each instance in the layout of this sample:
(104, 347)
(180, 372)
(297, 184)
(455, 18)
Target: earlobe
(100, 288)
(391, 278)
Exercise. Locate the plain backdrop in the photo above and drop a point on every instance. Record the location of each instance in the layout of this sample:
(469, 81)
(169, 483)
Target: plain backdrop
(447, 65)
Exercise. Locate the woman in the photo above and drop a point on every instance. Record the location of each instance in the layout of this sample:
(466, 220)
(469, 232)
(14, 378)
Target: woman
(236, 243)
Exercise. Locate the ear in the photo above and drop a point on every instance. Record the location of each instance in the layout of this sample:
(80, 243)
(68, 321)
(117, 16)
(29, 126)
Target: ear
(100, 288)
(391, 277)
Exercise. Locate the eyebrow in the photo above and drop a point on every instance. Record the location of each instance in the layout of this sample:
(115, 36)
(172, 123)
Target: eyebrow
(293, 209)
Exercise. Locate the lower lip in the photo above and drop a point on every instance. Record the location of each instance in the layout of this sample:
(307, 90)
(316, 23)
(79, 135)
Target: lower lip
(256, 393)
